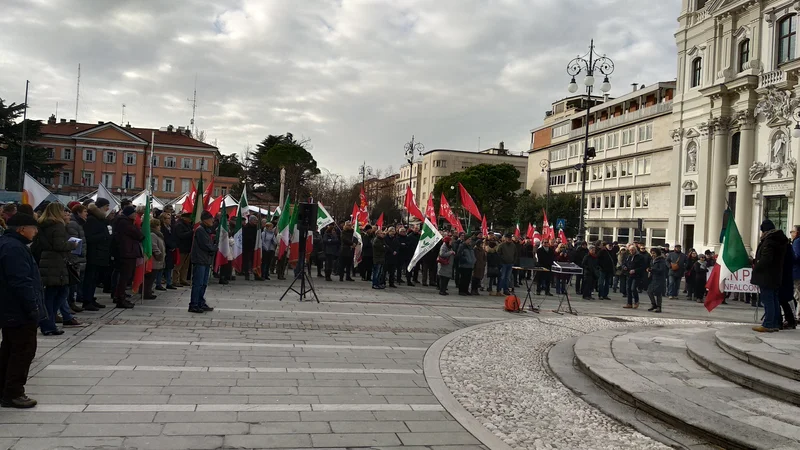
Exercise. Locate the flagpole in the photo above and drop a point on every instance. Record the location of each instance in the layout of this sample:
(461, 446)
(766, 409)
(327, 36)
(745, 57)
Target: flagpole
(152, 151)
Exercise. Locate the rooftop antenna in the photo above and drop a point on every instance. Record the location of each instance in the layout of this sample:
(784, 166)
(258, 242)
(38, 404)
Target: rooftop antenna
(56, 111)
(122, 122)
(78, 95)
(194, 104)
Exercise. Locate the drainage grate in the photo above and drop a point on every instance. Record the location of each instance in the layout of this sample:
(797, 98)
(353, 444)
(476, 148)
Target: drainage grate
(614, 319)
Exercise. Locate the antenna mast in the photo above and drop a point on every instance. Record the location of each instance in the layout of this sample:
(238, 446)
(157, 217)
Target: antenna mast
(194, 104)
(56, 110)
(122, 122)
(78, 95)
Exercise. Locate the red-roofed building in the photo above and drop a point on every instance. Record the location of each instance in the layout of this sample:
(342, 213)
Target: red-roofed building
(117, 156)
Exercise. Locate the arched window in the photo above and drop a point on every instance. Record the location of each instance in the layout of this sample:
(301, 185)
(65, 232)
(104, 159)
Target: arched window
(736, 140)
(697, 70)
(787, 39)
(744, 54)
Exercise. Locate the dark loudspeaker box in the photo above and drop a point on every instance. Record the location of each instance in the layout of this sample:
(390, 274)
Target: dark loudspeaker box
(307, 216)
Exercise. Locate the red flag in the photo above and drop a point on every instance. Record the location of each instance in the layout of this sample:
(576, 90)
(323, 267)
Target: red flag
(362, 198)
(562, 236)
(516, 231)
(356, 213)
(546, 227)
(207, 195)
(411, 206)
(430, 212)
(216, 205)
(379, 223)
(529, 233)
(232, 212)
(188, 203)
(537, 236)
(198, 209)
(552, 232)
(484, 228)
(447, 213)
(467, 202)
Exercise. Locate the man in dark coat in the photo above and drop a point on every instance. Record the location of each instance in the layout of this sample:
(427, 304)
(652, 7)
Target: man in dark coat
(577, 258)
(545, 257)
(128, 238)
(21, 308)
(635, 267)
(591, 272)
(98, 250)
(365, 267)
(608, 264)
(184, 232)
(249, 234)
(405, 253)
(346, 252)
(202, 257)
(331, 242)
(392, 247)
(768, 274)
(413, 241)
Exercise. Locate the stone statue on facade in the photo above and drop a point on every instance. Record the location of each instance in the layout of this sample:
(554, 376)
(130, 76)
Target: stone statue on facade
(778, 154)
(691, 158)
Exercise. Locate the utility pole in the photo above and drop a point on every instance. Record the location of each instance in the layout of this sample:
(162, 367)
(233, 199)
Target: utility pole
(194, 104)
(24, 136)
(78, 93)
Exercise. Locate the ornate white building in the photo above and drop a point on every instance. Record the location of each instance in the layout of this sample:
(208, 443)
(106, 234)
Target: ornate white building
(734, 112)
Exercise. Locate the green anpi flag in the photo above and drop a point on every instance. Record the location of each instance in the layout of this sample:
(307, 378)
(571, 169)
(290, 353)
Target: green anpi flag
(428, 239)
(147, 243)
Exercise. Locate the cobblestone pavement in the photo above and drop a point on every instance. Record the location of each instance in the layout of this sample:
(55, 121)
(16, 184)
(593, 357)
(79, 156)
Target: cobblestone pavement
(259, 373)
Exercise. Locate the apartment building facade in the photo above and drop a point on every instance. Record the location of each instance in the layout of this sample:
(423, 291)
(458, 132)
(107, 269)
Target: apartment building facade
(118, 157)
(628, 179)
(735, 119)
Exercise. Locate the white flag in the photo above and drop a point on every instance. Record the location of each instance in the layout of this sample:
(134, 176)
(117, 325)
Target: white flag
(323, 218)
(103, 192)
(427, 241)
(33, 193)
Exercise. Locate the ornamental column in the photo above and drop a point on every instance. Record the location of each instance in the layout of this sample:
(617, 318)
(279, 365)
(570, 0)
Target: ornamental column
(703, 183)
(673, 227)
(744, 189)
(719, 165)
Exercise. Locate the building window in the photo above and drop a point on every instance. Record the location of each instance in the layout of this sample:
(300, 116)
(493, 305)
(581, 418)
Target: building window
(202, 164)
(611, 170)
(51, 153)
(697, 70)
(610, 201)
(561, 130)
(787, 35)
(625, 168)
(555, 155)
(594, 234)
(736, 140)
(129, 181)
(688, 200)
(169, 185)
(599, 144)
(66, 154)
(643, 166)
(641, 199)
(223, 190)
(440, 163)
(186, 163)
(700, 4)
(170, 162)
(66, 178)
(572, 176)
(575, 149)
(645, 132)
(612, 140)
(108, 180)
(628, 136)
(625, 200)
(597, 173)
(109, 157)
(87, 178)
(130, 159)
(558, 180)
(744, 54)
(154, 161)
(607, 234)
(623, 235)
(88, 154)
(658, 237)
(186, 185)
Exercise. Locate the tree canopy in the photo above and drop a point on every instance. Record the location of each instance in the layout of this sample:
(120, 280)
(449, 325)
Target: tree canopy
(493, 187)
(561, 206)
(37, 160)
(282, 151)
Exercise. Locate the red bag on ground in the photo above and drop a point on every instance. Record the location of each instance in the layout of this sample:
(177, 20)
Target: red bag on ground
(512, 303)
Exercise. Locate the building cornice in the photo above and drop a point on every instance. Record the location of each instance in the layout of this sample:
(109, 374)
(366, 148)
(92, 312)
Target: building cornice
(638, 187)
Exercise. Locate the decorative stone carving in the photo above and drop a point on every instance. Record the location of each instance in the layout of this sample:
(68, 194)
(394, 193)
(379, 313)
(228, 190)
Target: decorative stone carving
(776, 104)
(731, 180)
(778, 148)
(676, 134)
(723, 124)
(745, 118)
(689, 185)
(691, 157)
(791, 166)
(707, 128)
(757, 171)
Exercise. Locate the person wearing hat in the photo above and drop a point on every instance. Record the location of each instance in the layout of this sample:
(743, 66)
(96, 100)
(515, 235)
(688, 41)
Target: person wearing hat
(128, 238)
(98, 252)
(21, 309)
(768, 274)
(445, 262)
(184, 232)
(202, 257)
(249, 235)
(507, 250)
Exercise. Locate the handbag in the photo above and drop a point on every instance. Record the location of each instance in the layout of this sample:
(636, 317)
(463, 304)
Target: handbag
(443, 261)
(74, 271)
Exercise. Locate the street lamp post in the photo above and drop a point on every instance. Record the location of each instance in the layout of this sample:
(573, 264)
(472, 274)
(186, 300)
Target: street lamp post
(412, 149)
(545, 165)
(589, 64)
(364, 170)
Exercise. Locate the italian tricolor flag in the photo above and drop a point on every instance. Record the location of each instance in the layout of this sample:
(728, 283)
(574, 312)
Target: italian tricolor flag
(224, 251)
(237, 233)
(284, 228)
(197, 210)
(732, 257)
(145, 263)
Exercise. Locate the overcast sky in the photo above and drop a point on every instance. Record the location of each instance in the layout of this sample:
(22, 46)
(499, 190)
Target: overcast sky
(356, 77)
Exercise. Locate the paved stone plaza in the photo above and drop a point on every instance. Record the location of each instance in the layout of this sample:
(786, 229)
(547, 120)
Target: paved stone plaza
(351, 371)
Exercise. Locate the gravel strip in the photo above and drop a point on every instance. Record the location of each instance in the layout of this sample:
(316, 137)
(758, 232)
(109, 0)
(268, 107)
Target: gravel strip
(499, 374)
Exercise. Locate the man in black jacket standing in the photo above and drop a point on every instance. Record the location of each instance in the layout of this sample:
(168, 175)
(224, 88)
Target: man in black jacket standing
(577, 258)
(768, 274)
(635, 267)
(607, 263)
(184, 232)
(98, 251)
(365, 267)
(202, 257)
(21, 308)
(545, 257)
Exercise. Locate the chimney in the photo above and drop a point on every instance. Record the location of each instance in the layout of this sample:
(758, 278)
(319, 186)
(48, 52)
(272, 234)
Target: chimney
(71, 120)
(63, 120)
(51, 120)
(170, 128)
(502, 145)
(128, 125)
(635, 86)
(99, 122)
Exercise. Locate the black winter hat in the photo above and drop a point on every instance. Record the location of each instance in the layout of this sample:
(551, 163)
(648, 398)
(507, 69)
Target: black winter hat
(767, 225)
(206, 215)
(128, 210)
(101, 202)
(21, 220)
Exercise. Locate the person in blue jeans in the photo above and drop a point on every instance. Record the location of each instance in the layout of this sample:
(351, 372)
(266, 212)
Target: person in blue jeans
(378, 259)
(508, 254)
(636, 269)
(768, 274)
(202, 256)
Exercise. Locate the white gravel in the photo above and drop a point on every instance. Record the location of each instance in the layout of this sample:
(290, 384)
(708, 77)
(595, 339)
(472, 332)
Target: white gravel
(499, 374)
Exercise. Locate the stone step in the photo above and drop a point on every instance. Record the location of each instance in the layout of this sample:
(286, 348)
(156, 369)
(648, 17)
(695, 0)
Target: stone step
(778, 353)
(704, 350)
(651, 370)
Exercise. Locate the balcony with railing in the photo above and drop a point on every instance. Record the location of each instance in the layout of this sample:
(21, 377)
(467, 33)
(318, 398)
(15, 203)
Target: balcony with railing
(629, 117)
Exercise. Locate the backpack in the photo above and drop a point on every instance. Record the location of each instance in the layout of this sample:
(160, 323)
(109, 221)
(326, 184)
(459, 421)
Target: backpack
(512, 304)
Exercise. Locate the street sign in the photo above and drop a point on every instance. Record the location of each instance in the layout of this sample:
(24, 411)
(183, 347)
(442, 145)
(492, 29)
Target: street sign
(561, 224)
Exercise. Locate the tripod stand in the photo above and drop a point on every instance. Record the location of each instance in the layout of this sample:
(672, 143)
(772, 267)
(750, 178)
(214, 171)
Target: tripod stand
(300, 270)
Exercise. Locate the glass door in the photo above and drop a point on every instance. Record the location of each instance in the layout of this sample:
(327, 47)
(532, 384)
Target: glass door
(776, 209)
